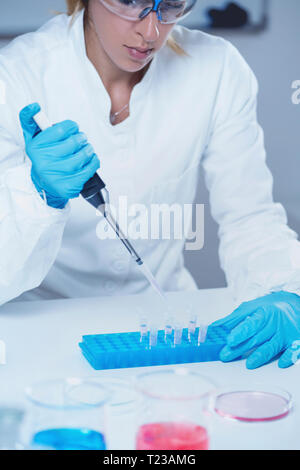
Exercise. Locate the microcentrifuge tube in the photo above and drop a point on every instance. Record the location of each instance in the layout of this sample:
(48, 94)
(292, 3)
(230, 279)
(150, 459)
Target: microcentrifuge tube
(202, 334)
(192, 326)
(143, 328)
(153, 336)
(168, 328)
(177, 334)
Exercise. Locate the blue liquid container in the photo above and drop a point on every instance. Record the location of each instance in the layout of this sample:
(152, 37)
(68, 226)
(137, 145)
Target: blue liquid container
(70, 439)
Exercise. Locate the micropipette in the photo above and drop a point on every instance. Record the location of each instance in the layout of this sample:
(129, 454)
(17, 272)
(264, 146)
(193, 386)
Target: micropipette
(95, 192)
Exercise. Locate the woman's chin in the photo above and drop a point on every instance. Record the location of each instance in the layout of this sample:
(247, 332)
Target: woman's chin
(130, 65)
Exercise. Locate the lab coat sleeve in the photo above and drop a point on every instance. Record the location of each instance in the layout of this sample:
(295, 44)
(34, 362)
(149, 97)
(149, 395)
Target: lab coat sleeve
(258, 252)
(30, 230)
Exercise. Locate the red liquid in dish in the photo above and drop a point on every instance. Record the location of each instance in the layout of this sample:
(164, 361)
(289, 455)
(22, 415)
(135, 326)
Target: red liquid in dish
(172, 436)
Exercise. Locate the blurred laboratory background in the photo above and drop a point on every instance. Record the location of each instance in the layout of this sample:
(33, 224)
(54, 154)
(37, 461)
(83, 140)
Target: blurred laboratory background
(267, 34)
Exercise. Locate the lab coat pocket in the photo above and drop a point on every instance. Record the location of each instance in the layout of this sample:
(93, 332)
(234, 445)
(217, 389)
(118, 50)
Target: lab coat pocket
(172, 208)
(163, 217)
(179, 189)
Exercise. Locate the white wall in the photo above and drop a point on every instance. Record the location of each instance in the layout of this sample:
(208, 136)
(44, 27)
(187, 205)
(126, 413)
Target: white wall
(19, 16)
(2, 43)
(274, 57)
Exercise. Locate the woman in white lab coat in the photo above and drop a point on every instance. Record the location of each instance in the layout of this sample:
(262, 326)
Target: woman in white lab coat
(148, 101)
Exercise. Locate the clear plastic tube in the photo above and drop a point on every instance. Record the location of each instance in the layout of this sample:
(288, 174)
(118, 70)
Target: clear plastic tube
(177, 334)
(202, 334)
(143, 328)
(168, 328)
(153, 336)
(192, 326)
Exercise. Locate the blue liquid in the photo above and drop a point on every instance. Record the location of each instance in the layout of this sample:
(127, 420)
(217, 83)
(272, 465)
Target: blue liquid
(70, 439)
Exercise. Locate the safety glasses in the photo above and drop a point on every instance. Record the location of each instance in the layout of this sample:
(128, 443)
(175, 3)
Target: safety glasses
(167, 11)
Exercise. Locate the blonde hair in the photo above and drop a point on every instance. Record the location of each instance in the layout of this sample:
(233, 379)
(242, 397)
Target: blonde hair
(74, 6)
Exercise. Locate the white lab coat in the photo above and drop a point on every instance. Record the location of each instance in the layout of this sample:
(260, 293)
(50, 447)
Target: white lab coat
(186, 111)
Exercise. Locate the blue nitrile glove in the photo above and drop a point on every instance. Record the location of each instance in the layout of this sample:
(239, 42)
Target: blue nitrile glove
(62, 159)
(269, 325)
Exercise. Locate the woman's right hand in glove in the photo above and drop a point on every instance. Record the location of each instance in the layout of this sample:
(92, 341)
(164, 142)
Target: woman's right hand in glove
(62, 159)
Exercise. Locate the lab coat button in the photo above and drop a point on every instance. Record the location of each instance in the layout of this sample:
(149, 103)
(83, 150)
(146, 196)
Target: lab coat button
(122, 142)
(109, 286)
(118, 251)
(119, 266)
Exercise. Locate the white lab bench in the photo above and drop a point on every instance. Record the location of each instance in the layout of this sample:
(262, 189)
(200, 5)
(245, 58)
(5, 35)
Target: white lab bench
(42, 339)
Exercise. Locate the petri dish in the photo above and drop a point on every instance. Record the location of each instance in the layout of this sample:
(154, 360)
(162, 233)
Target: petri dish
(120, 412)
(122, 397)
(253, 405)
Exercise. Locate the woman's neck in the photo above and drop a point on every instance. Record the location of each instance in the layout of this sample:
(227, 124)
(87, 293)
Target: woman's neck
(110, 74)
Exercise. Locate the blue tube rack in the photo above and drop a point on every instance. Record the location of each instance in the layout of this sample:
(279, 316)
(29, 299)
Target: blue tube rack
(122, 350)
